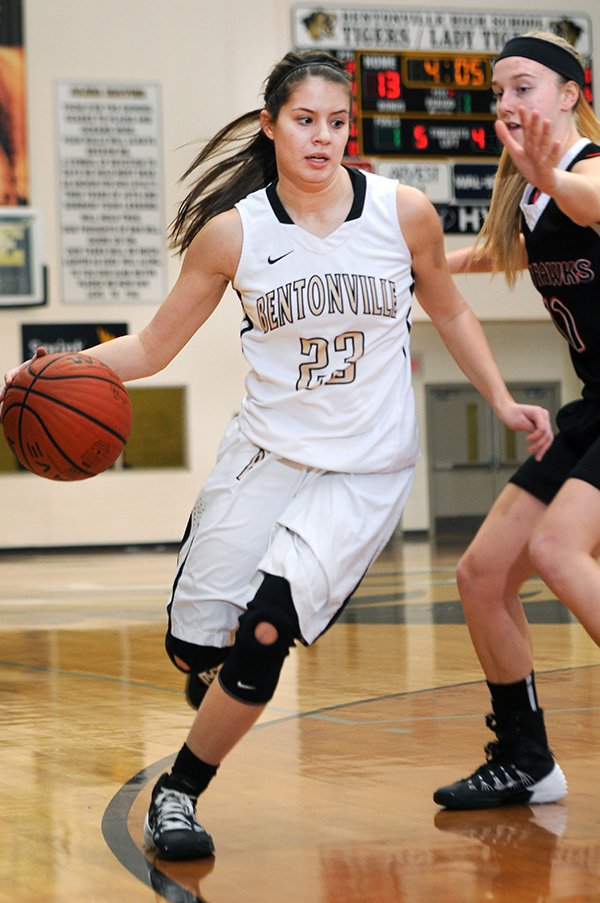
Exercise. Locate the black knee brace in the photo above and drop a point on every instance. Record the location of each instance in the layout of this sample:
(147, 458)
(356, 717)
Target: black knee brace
(252, 669)
(197, 658)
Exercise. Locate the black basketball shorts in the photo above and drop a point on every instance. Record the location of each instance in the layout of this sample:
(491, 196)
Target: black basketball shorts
(575, 452)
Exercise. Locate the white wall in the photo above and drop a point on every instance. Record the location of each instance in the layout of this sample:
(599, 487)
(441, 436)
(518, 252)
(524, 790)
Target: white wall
(210, 60)
(528, 352)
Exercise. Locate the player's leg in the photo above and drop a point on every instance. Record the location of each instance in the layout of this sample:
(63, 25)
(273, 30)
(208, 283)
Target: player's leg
(267, 631)
(217, 576)
(317, 567)
(200, 664)
(226, 535)
(519, 765)
(489, 578)
(329, 533)
(247, 681)
(565, 546)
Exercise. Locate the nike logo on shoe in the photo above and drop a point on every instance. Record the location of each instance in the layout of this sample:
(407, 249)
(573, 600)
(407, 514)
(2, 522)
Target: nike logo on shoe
(281, 256)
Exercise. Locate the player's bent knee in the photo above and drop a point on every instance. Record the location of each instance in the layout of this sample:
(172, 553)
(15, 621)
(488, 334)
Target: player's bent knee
(473, 572)
(267, 631)
(547, 554)
(188, 657)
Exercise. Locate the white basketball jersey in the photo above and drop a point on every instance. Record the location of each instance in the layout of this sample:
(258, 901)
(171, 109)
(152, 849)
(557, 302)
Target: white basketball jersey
(326, 334)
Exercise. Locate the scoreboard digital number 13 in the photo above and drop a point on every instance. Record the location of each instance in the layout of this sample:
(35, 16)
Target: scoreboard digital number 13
(436, 104)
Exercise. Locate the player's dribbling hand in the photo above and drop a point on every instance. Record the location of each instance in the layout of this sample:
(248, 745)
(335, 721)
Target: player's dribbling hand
(9, 377)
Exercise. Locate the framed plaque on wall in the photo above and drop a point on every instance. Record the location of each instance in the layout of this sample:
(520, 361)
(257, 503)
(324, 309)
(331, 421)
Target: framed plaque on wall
(22, 276)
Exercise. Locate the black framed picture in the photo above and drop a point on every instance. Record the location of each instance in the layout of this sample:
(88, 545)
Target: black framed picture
(22, 277)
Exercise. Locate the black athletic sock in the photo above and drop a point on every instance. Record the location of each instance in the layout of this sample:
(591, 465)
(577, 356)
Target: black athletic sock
(190, 774)
(519, 696)
(516, 707)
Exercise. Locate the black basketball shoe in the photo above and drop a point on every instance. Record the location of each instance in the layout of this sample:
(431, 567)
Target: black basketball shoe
(171, 827)
(519, 768)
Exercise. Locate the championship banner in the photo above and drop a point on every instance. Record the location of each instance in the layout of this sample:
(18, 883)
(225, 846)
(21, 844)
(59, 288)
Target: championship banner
(22, 271)
(14, 177)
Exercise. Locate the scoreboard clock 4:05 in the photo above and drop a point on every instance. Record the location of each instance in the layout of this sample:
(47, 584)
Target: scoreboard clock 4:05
(425, 103)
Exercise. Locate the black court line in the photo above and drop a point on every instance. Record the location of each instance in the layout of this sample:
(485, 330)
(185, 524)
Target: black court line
(88, 675)
(116, 816)
(383, 608)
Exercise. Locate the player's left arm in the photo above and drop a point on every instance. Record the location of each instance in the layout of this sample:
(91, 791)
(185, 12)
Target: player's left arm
(456, 323)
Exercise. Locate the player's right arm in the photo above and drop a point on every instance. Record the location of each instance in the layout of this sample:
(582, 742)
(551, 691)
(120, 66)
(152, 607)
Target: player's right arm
(208, 267)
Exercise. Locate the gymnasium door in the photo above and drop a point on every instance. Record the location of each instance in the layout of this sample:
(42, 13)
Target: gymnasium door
(471, 453)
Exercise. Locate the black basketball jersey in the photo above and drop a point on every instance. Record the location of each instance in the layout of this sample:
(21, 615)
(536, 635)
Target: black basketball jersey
(564, 264)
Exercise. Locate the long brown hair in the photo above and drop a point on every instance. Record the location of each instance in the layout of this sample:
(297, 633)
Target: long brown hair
(244, 156)
(499, 237)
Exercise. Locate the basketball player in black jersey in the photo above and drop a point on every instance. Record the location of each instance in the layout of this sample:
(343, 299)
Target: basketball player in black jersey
(544, 216)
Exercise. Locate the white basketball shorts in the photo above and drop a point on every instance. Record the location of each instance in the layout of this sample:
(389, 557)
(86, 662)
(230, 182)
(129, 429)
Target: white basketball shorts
(257, 514)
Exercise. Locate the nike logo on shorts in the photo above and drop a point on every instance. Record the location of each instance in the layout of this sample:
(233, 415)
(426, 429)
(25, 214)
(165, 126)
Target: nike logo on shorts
(281, 256)
(244, 686)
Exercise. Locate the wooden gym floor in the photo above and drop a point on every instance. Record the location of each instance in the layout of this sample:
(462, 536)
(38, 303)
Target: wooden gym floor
(328, 799)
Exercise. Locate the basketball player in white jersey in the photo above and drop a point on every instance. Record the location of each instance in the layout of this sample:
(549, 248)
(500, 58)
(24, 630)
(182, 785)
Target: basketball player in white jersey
(312, 476)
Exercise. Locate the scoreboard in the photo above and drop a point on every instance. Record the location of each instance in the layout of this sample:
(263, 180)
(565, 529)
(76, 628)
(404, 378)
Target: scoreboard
(423, 108)
(438, 104)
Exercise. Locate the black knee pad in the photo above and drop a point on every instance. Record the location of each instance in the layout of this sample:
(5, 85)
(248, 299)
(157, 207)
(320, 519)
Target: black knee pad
(252, 669)
(198, 658)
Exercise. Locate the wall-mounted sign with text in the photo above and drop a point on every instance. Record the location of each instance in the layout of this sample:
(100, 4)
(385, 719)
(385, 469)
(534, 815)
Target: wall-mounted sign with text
(111, 196)
(67, 338)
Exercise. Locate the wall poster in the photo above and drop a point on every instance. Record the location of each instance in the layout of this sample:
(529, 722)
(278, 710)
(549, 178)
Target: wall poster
(14, 179)
(111, 206)
(22, 275)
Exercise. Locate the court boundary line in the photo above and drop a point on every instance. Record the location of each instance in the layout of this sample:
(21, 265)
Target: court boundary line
(115, 820)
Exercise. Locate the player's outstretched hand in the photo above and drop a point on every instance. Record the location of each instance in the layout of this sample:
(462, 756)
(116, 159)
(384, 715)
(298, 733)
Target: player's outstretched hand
(9, 377)
(532, 148)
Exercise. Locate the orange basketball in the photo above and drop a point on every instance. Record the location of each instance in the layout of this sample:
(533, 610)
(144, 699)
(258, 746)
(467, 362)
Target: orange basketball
(66, 416)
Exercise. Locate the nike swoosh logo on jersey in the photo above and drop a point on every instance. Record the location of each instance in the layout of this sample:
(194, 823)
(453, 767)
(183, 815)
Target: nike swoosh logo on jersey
(281, 256)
